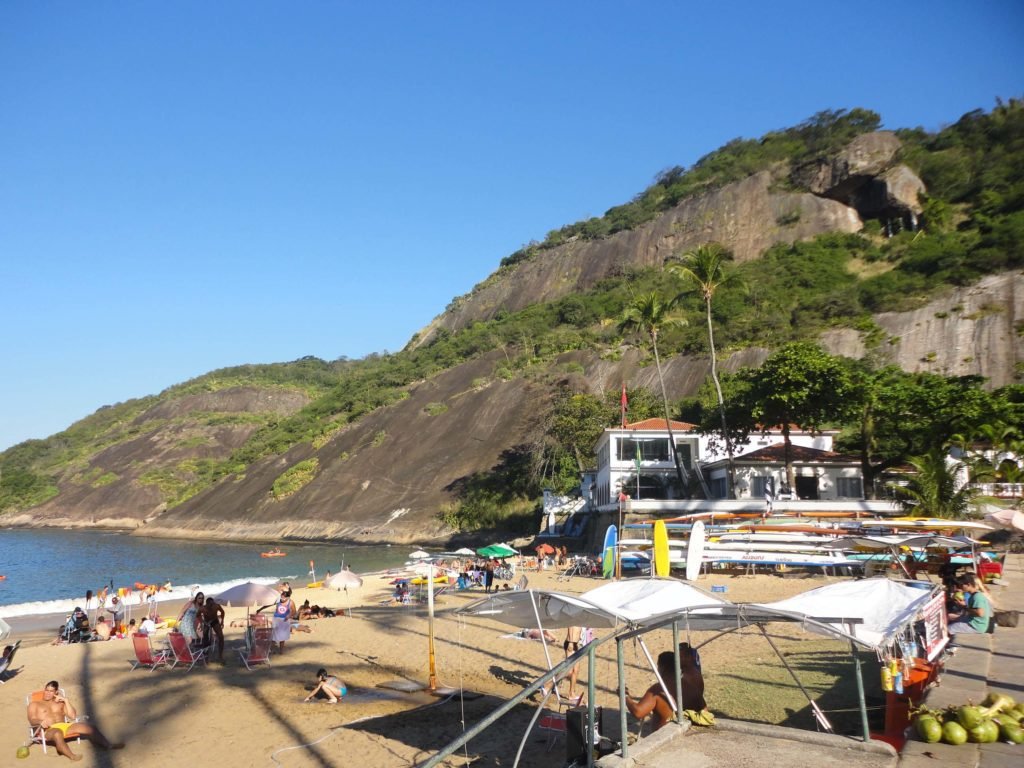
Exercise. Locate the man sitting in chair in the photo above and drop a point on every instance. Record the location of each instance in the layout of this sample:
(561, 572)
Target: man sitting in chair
(52, 713)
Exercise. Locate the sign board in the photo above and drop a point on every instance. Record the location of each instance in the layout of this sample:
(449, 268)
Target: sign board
(936, 635)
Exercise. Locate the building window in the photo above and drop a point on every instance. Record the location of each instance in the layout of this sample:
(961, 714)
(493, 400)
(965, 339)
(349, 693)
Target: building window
(718, 487)
(757, 486)
(646, 449)
(850, 488)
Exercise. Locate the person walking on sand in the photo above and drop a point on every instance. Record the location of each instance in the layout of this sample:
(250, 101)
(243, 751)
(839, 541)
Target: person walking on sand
(52, 712)
(284, 612)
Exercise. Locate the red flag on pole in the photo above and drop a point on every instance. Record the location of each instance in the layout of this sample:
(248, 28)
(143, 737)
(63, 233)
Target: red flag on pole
(625, 405)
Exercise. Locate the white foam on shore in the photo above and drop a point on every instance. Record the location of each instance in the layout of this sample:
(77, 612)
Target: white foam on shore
(132, 599)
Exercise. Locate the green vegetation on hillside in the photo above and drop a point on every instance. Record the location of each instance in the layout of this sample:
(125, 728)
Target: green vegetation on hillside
(973, 224)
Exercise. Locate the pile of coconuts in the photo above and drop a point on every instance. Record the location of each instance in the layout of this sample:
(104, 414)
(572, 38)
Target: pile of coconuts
(999, 718)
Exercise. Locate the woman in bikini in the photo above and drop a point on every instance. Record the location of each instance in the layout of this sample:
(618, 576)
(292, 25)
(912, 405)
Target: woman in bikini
(329, 686)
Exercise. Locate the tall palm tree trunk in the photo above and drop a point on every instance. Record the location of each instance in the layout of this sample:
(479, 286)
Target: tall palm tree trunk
(668, 422)
(730, 491)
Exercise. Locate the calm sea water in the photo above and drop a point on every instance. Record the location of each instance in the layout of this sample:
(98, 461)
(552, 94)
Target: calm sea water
(48, 571)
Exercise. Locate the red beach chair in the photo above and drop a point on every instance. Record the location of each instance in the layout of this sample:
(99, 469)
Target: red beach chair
(145, 656)
(260, 651)
(183, 654)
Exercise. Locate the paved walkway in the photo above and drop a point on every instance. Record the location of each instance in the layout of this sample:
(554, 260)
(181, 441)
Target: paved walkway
(983, 663)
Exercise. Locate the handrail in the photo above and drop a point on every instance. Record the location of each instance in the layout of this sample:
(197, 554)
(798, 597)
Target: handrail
(589, 650)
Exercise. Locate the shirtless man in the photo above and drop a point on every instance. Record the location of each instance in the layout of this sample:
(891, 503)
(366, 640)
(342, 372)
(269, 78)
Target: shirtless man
(213, 620)
(654, 700)
(51, 712)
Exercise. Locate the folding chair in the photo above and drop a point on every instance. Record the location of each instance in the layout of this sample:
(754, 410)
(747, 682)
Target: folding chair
(145, 656)
(552, 723)
(36, 733)
(259, 653)
(183, 654)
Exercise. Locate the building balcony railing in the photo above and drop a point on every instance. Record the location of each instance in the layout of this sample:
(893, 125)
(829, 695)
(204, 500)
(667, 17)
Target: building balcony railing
(1000, 490)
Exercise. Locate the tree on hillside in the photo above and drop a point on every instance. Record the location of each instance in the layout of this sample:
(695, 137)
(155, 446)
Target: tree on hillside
(647, 314)
(898, 415)
(933, 489)
(703, 268)
(799, 385)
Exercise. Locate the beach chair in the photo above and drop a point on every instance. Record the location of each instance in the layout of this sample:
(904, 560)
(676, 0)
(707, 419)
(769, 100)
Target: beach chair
(5, 663)
(183, 654)
(145, 656)
(259, 653)
(36, 733)
(553, 724)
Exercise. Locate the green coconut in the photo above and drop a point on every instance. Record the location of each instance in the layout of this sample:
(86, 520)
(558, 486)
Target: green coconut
(929, 729)
(984, 732)
(1012, 733)
(22, 752)
(969, 716)
(953, 733)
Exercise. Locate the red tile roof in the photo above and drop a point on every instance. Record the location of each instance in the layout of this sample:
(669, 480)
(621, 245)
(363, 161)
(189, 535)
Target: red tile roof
(777, 453)
(659, 424)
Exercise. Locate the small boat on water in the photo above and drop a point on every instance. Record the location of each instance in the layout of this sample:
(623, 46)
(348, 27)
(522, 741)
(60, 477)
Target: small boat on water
(275, 552)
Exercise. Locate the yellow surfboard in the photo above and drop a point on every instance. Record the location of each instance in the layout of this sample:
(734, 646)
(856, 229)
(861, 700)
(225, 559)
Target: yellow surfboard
(661, 566)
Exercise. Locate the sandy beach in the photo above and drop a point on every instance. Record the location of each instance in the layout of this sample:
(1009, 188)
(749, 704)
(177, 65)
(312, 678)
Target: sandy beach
(227, 715)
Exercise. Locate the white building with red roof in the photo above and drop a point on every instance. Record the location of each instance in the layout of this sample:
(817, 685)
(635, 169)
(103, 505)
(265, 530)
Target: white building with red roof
(636, 460)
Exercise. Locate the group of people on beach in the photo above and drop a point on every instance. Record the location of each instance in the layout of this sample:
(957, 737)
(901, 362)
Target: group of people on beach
(201, 621)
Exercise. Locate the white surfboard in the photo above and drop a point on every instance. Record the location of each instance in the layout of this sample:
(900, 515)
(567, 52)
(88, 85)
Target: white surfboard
(694, 551)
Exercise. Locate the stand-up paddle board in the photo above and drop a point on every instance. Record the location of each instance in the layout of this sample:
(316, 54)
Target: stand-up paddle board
(695, 551)
(608, 561)
(660, 549)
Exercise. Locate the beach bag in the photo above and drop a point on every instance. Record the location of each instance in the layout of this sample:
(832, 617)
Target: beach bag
(1007, 618)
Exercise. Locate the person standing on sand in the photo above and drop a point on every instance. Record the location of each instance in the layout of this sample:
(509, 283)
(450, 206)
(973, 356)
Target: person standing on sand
(488, 576)
(284, 612)
(213, 620)
(51, 714)
(187, 618)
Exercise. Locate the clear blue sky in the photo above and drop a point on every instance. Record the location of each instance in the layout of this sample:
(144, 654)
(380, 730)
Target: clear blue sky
(191, 185)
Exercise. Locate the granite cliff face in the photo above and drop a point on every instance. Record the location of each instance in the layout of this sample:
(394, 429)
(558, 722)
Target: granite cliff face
(749, 216)
(978, 330)
(746, 217)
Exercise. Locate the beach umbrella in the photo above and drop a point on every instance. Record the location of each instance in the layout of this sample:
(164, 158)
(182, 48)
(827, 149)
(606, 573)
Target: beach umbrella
(465, 552)
(343, 580)
(544, 549)
(249, 593)
(419, 554)
(497, 550)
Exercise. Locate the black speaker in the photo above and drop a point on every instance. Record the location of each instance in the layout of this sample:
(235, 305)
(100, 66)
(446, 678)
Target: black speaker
(576, 733)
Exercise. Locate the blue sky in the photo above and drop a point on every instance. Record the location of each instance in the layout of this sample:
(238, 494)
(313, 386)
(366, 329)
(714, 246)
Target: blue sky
(191, 185)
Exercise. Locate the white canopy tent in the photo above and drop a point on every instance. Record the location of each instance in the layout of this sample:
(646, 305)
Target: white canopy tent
(871, 613)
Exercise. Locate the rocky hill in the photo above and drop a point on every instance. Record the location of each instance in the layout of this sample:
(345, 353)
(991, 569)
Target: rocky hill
(384, 476)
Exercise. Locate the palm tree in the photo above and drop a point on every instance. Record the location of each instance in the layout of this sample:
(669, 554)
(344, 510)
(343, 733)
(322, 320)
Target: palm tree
(647, 314)
(934, 488)
(703, 269)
